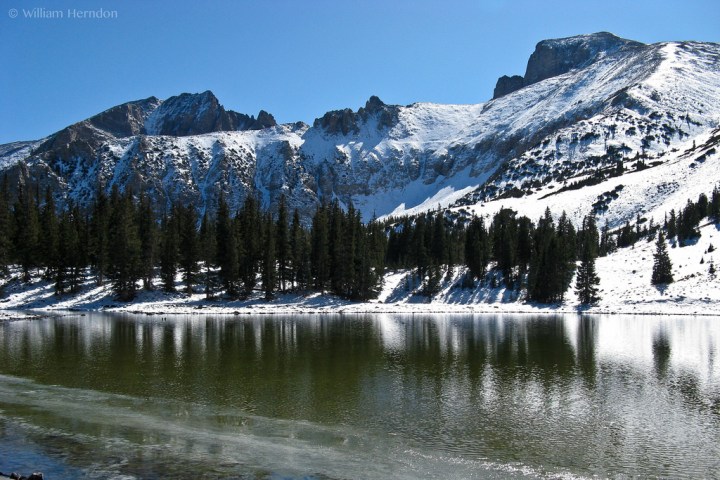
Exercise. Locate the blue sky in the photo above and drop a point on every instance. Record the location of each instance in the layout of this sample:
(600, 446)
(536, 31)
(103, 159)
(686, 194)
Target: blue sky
(295, 58)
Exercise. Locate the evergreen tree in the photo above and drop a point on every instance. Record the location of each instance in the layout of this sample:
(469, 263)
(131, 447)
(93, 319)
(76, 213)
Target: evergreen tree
(662, 266)
(671, 225)
(27, 230)
(269, 262)
(208, 247)
(169, 239)
(587, 279)
(227, 249)
(48, 236)
(320, 252)
(419, 247)
(282, 245)
(714, 207)
(477, 248)
(98, 232)
(504, 243)
(189, 247)
(5, 227)
(68, 250)
(297, 246)
(250, 252)
(147, 229)
(124, 246)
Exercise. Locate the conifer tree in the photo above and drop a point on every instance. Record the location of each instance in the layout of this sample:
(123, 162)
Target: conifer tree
(69, 256)
(504, 243)
(124, 246)
(320, 253)
(297, 245)
(587, 279)
(208, 244)
(477, 248)
(269, 263)
(227, 249)
(189, 247)
(5, 227)
(48, 236)
(147, 228)
(282, 245)
(169, 239)
(26, 230)
(662, 266)
(250, 253)
(714, 207)
(99, 231)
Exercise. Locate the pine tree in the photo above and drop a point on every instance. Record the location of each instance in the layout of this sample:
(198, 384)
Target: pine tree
(297, 246)
(714, 207)
(169, 239)
(189, 247)
(5, 227)
(227, 249)
(48, 237)
(208, 246)
(504, 242)
(587, 279)
(147, 228)
(66, 271)
(320, 253)
(662, 267)
(269, 263)
(26, 231)
(477, 248)
(98, 232)
(124, 246)
(282, 245)
(249, 235)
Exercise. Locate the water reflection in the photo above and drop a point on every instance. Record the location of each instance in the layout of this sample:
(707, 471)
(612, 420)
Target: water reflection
(585, 395)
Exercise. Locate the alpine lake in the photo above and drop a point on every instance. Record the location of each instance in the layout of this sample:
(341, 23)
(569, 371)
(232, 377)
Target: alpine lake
(119, 396)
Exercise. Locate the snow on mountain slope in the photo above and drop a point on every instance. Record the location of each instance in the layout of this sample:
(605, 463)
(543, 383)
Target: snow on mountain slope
(595, 101)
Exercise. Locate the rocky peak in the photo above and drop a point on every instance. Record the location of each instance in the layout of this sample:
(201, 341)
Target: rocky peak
(557, 56)
(346, 121)
(199, 113)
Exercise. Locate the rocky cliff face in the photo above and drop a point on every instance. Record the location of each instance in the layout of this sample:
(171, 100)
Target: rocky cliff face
(557, 56)
(196, 114)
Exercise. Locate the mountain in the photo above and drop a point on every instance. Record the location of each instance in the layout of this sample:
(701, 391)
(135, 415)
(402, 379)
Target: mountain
(592, 111)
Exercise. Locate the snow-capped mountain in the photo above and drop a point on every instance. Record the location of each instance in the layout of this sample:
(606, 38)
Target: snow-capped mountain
(585, 106)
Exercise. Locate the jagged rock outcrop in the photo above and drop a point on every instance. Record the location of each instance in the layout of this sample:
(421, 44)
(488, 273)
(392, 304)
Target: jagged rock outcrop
(346, 121)
(196, 114)
(507, 85)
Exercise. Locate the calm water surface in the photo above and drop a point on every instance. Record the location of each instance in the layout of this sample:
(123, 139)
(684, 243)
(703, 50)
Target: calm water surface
(345, 397)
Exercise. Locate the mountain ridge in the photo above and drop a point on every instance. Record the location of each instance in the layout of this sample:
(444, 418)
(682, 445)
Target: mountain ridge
(391, 159)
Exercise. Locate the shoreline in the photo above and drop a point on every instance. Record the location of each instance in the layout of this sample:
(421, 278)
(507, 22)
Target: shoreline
(153, 310)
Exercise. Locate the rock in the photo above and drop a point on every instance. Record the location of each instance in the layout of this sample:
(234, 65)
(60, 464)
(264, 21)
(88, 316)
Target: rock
(36, 476)
(507, 85)
(557, 56)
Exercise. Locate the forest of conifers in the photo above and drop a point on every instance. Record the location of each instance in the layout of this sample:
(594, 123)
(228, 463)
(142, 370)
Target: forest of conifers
(122, 239)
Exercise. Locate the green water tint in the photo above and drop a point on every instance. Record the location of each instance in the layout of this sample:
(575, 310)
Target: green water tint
(376, 396)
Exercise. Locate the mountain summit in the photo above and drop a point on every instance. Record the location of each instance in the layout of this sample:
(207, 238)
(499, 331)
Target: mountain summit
(557, 56)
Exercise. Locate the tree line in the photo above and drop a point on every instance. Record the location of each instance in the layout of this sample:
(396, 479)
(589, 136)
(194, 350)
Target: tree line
(121, 239)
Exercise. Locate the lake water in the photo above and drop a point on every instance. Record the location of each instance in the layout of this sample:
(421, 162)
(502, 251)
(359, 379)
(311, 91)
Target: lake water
(346, 397)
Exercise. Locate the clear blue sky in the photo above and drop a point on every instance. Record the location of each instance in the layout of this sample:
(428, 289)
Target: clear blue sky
(295, 58)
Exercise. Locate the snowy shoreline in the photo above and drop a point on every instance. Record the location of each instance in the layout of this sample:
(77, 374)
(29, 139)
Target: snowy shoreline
(625, 289)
